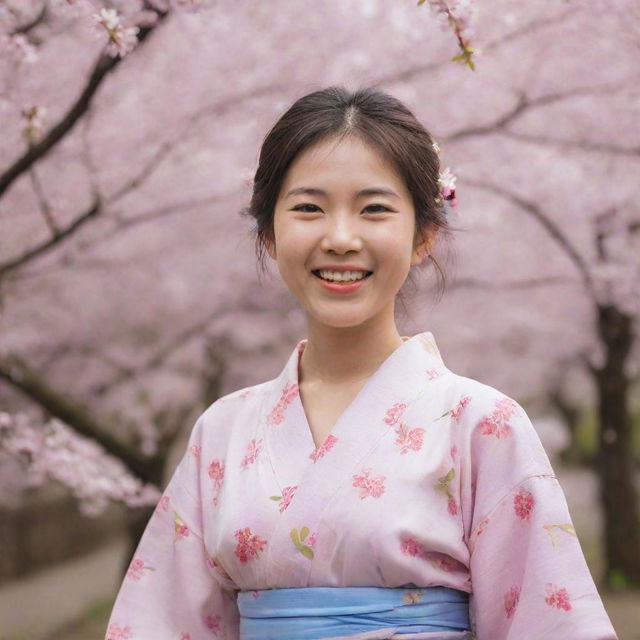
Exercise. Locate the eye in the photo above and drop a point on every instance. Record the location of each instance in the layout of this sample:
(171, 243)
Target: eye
(300, 207)
(377, 205)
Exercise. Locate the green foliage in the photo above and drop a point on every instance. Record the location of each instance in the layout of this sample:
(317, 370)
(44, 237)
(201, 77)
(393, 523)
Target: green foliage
(617, 579)
(587, 432)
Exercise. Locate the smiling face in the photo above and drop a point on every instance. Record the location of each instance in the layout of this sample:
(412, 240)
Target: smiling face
(332, 223)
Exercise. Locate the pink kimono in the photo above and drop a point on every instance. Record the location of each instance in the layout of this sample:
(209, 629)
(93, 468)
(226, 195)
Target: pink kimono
(427, 478)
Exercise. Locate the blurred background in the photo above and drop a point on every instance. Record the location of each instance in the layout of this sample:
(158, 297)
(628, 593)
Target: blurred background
(129, 295)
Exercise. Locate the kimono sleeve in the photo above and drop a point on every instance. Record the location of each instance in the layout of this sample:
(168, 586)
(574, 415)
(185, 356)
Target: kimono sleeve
(529, 577)
(170, 591)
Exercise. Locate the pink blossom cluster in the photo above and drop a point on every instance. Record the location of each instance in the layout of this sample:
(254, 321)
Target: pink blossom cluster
(117, 22)
(52, 450)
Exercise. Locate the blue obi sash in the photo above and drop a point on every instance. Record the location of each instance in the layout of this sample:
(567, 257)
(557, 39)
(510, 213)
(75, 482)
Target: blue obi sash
(312, 613)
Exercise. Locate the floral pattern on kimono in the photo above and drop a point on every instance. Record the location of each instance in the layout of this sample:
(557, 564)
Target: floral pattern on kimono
(427, 478)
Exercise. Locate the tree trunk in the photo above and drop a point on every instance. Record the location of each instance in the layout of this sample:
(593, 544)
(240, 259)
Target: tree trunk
(615, 460)
(572, 455)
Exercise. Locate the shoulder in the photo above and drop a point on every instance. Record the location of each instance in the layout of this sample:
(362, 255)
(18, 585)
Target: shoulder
(500, 441)
(496, 431)
(216, 422)
(484, 410)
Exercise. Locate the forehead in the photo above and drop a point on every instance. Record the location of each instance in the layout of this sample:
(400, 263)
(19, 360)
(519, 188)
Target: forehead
(335, 164)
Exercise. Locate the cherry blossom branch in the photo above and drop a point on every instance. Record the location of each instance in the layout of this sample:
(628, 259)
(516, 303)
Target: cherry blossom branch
(582, 145)
(525, 104)
(100, 204)
(158, 358)
(414, 72)
(21, 376)
(531, 283)
(458, 16)
(548, 225)
(104, 65)
(53, 451)
(56, 238)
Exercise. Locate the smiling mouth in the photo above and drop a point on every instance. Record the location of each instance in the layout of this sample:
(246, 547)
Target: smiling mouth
(367, 275)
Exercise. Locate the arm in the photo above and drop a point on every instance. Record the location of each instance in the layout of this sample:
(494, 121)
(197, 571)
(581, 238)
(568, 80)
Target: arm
(529, 577)
(171, 590)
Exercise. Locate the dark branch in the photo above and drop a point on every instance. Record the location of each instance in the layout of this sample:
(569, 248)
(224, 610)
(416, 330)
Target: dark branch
(547, 223)
(103, 66)
(413, 72)
(158, 358)
(51, 242)
(17, 373)
(533, 283)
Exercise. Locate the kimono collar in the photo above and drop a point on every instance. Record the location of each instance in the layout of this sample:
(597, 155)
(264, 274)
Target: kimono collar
(420, 348)
(316, 474)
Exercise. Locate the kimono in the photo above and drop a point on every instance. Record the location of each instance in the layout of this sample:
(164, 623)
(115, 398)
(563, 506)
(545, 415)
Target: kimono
(428, 478)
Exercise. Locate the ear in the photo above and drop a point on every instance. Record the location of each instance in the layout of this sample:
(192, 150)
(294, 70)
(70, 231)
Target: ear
(423, 248)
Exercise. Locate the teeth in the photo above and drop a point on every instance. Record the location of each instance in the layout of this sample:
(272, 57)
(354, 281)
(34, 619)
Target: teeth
(341, 276)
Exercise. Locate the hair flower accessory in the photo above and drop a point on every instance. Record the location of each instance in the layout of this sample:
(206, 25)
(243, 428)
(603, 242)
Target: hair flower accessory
(447, 182)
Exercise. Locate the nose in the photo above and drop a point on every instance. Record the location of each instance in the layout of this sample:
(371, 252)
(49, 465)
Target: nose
(342, 234)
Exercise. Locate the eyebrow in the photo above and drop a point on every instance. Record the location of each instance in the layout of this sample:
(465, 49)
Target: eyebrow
(371, 191)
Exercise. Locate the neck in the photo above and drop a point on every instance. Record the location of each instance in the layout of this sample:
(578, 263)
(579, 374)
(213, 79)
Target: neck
(345, 355)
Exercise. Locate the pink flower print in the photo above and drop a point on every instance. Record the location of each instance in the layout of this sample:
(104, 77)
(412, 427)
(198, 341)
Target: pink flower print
(116, 632)
(136, 569)
(253, 449)
(324, 448)
(196, 450)
(287, 496)
(395, 413)
(523, 504)
(453, 452)
(511, 599)
(213, 622)
(452, 507)
(409, 439)
(369, 486)
(432, 374)
(163, 504)
(410, 547)
(497, 423)
(249, 545)
(216, 473)
(312, 539)
(276, 415)
(457, 410)
(181, 529)
(507, 407)
(558, 598)
(185, 636)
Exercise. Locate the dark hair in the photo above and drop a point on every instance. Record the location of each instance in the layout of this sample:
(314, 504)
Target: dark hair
(374, 117)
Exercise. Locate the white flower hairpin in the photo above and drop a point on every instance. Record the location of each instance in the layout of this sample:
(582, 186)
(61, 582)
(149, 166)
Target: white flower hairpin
(447, 182)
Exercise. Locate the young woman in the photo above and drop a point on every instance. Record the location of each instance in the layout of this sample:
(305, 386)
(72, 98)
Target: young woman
(367, 491)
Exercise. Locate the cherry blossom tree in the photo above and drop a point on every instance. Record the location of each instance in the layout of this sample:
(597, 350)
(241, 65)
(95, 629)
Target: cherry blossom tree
(127, 280)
